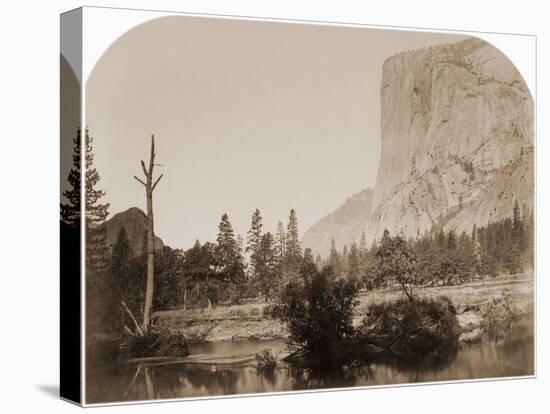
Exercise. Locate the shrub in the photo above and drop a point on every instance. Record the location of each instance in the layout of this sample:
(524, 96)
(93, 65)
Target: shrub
(266, 360)
(396, 326)
(318, 309)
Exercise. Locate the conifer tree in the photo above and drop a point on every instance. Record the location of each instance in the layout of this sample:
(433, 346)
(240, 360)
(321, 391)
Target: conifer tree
(441, 240)
(344, 260)
(254, 239)
(293, 247)
(354, 261)
(363, 243)
(334, 256)
(267, 266)
(451, 240)
(280, 239)
(95, 212)
(230, 261)
(308, 256)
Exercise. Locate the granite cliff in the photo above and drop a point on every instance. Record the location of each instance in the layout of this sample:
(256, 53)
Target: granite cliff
(457, 141)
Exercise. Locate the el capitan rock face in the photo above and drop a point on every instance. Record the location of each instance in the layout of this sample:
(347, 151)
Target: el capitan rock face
(457, 141)
(135, 222)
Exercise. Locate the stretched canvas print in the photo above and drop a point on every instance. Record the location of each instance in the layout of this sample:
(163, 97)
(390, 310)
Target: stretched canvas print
(256, 206)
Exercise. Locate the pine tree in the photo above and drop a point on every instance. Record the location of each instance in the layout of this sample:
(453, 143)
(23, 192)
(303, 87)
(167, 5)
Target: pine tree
(254, 239)
(292, 246)
(230, 261)
(267, 266)
(344, 260)
(95, 212)
(476, 250)
(363, 244)
(451, 240)
(334, 257)
(517, 241)
(308, 256)
(518, 228)
(354, 261)
(280, 239)
(319, 262)
(441, 240)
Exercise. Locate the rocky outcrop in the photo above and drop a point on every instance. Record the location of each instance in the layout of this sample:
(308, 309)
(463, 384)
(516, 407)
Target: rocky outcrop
(345, 224)
(134, 222)
(457, 140)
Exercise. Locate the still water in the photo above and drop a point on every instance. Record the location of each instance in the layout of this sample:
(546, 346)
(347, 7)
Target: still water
(230, 369)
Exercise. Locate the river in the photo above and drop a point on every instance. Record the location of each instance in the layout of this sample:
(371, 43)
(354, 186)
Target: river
(228, 368)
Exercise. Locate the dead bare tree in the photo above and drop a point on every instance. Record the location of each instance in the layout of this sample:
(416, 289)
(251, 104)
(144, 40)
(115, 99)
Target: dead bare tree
(149, 188)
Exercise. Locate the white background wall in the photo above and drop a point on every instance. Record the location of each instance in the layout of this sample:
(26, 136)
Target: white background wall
(29, 90)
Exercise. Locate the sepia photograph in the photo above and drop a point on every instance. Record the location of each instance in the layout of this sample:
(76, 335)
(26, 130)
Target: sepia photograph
(276, 206)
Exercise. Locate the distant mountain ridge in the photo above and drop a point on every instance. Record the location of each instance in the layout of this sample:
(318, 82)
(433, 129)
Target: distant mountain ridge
(457, 144)
(345, 224)
(134, 222)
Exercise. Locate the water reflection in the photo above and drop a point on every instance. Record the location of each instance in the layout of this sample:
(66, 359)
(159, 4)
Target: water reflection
(510, 355)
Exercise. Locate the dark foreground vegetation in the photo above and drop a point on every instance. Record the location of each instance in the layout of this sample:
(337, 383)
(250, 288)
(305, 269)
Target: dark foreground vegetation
(318, 309)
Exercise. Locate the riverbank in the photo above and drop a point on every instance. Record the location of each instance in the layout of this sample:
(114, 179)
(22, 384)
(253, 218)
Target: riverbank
(483, 308)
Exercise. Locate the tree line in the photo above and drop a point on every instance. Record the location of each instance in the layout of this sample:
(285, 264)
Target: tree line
(224, 271)
(443, 257)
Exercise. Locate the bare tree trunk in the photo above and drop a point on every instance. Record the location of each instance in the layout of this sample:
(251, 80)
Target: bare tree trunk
(149, 188)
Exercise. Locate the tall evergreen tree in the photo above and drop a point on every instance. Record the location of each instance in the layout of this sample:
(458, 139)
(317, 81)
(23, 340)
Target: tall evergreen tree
(344, 260)
(95, 212)
(293, 247)
(280, 239)
(230, 262)
(354, 261)
(451, 240)
(441, 240)
(334, 257)
(308, 256)
(254, 239)
(363, 243)
(319, 262)
(267, 266)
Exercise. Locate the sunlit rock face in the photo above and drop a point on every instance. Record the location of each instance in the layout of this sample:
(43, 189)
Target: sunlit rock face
(457, 141)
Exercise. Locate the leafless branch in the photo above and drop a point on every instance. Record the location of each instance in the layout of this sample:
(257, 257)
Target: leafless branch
(144, 169)
(156, 182)
(145, 185)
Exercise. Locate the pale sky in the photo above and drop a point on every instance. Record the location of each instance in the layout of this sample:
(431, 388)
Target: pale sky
(246, 115)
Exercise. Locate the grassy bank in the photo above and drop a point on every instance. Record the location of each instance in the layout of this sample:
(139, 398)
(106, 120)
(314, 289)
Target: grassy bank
(481, 306)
